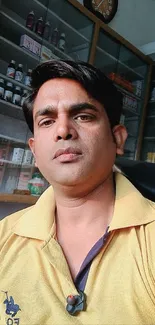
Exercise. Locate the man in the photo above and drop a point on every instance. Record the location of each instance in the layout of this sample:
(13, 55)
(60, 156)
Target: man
(84, 253)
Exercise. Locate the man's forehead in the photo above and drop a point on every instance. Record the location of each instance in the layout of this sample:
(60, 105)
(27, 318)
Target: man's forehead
(53, 91)
(57, 84)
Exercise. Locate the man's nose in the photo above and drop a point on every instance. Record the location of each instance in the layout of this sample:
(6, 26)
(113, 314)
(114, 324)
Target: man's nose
(64, 130)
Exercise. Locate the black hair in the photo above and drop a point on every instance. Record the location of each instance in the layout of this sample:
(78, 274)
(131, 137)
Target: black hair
(93, 80)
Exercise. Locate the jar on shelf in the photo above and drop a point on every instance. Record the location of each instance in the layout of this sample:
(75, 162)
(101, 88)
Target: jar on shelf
(36, 184)
(19, 73)
(39, 26)
(17, 96)
(27, 79)
(8, 92)
(62, 42)
(2, 88)
(24, 95)
(54, 37)
(30, 21)
(11, 69)
(47, 28)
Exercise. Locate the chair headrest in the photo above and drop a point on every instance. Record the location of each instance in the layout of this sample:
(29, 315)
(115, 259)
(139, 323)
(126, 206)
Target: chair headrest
(140, 174)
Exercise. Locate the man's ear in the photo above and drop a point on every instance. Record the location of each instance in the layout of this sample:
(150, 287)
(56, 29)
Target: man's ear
(32, 147)
(120, 135)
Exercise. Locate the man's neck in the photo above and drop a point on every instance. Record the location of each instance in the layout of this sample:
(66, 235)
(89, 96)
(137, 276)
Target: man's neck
(95, 206)
(82, 221)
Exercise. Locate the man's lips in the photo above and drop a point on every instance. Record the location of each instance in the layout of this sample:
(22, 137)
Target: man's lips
(67, 151)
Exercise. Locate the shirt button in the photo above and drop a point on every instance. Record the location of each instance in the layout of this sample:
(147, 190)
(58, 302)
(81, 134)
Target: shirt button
(71, 300)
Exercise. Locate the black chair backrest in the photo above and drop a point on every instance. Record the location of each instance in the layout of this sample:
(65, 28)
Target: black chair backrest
(140, 174)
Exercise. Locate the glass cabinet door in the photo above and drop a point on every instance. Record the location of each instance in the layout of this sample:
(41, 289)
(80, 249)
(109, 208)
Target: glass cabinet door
(31, 32)
(148, 147)
(132, 72)
(128, 72)
(107, 54)
(17, 58)
(71, 31)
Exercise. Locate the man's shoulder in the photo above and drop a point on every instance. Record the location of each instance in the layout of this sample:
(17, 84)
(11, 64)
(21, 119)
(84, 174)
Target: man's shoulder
(9, 221)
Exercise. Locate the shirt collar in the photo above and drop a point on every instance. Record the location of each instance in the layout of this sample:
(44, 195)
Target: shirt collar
(39, 221)
(131, 209)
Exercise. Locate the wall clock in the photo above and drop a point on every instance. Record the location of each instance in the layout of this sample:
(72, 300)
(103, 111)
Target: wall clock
(103, 9)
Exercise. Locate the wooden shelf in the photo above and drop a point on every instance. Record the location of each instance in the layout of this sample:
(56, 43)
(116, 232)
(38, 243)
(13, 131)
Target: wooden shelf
(149, 138)
(16, 198)
(16, 164)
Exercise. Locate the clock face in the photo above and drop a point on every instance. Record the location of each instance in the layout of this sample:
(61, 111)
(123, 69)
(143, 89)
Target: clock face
(103, 9)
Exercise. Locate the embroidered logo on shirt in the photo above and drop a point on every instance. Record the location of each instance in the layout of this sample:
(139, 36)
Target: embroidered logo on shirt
(11, 309)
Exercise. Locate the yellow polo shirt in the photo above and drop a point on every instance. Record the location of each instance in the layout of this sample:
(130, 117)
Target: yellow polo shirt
(35, 279)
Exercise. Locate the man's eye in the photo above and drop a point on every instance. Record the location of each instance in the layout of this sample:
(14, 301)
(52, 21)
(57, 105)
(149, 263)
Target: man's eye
(84, 117)
(46, 122)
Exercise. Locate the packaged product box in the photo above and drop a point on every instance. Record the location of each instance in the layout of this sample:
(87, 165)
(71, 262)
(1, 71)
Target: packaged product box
(24, 178)
(30, 44)
(45, 53)
(27, 42)
(36, 48)
(138, 85)
(27, 157)
(17, 156)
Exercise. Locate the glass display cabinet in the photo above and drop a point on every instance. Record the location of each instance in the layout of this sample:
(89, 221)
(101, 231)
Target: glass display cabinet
(148, 146)
(31, 32)
(129, 74)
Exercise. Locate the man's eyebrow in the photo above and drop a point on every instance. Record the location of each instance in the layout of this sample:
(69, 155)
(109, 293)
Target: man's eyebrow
(72, 108)
(81, 106)
(45, 111)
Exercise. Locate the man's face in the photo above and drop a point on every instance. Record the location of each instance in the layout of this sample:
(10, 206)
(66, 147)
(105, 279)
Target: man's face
(73, 141)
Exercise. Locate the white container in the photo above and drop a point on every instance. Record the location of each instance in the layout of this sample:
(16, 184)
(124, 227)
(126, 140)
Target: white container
(27, 157)
(17, 156)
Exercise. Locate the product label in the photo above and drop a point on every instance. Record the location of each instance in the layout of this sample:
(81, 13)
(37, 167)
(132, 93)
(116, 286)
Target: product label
(27, 81)
(8, 95)
(19, 76)
(10, 72)
(1, 92)
(16, 99)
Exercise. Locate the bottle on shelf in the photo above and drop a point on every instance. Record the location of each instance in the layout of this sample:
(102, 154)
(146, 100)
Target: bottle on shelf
(39, 26)
(19, 73)
(8, 92)
(27, 80)
(11, 69)
(47, 28)
(17, 96)
(62, 42)
(2, 88)
(36, 184)
(54, 37)
(30, 21)
(24, 95)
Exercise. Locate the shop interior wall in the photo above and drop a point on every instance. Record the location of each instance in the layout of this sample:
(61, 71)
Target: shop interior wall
(135, 21)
